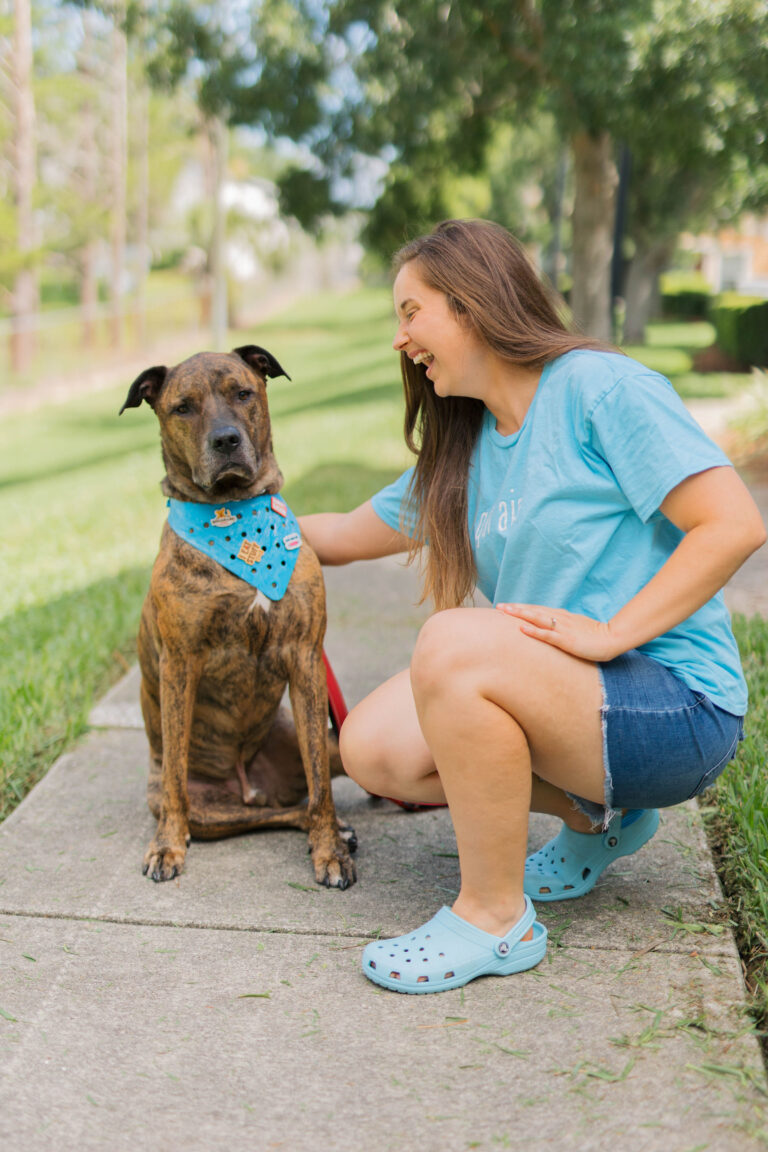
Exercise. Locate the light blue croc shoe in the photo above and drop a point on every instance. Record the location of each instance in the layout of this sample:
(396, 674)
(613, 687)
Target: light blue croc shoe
(447, 952)
(570, 865)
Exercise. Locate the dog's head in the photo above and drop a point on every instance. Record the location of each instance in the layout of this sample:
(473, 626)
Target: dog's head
(214, 423)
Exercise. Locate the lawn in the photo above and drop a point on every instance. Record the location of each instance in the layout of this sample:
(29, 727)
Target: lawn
(173, 305)
(736, 813)
(670, 348)
(82, 512)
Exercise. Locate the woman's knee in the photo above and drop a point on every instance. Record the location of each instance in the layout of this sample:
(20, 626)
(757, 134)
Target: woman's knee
(357, 746)
(382, 749)
(454, 649)
(437, 650)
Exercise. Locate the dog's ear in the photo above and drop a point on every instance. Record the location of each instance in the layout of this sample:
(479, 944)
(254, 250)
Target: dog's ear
(260, 360)
(145, 387)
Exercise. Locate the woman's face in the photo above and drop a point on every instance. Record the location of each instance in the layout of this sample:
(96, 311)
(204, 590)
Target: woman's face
(430, 333)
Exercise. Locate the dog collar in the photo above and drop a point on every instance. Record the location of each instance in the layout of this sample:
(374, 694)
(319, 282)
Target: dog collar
(257, 540)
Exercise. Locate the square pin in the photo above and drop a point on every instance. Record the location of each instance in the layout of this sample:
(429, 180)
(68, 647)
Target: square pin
(250, 552)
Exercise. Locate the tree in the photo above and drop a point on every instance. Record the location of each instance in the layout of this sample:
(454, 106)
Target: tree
(263, 68)
(123, 16)
(141, 148)
(74, 134)
(521, 185)
(697, 131)
(435, 81)
(25, 297)
(118, 167)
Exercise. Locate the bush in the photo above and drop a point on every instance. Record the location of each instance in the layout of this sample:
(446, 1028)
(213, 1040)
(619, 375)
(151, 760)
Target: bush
(741, 327)
(685, 295)
(685, 304)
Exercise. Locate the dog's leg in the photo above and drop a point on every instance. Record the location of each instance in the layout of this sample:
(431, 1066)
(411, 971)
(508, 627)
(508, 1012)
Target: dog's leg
(179, 675)
(309, 702)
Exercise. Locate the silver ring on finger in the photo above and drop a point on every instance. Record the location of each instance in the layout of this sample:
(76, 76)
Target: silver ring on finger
(553, 622)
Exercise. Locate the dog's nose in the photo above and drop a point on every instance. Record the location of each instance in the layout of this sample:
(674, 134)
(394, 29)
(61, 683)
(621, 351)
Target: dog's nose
(225, 439)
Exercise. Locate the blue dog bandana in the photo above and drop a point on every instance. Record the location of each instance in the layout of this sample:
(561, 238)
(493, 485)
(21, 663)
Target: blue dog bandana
(257, 540)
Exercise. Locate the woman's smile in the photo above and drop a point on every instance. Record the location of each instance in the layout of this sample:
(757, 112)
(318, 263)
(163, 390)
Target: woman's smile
(423, 358)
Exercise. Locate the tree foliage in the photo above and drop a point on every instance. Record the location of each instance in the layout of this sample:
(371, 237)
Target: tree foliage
(436, 80)
(697, 132)
(262, 66)
(680, 83)
(697, 114)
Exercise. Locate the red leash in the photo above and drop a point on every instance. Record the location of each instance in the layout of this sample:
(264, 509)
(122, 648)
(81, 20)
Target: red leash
(336, 705)
(337, 710)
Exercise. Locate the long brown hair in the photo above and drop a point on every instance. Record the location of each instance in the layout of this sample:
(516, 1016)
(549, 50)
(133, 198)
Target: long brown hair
(491, 286)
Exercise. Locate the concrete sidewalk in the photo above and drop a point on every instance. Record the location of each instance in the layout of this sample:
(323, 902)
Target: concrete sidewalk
(227, 1008)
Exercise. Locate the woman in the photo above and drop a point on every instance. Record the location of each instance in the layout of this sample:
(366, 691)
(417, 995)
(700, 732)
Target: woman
(569, 484)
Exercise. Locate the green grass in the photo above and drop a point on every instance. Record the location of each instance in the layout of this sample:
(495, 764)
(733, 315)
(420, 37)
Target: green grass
(670, 347)
(61, 656)
(737, 821)
(173, 305)
(82, 512)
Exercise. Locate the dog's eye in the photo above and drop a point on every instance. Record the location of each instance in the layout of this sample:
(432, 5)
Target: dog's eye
(244, 394)
(182, 408)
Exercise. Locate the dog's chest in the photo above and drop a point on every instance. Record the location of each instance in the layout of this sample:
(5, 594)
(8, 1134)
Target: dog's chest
(245, 661)
(259, 604)
(246, 621)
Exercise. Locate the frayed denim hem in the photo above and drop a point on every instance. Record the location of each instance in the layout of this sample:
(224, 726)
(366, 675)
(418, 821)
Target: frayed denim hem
(600, 815)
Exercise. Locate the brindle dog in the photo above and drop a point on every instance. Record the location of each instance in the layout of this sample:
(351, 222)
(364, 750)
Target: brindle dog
(215, 655)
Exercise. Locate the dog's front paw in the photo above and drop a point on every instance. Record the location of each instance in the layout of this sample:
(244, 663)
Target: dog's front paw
(332, 862)
(163, 862)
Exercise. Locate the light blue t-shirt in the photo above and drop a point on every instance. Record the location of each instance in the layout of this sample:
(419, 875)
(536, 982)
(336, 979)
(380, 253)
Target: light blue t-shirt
(565, 512)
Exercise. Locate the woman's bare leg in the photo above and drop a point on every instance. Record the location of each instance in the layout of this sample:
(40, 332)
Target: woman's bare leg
(384, 749)
(552, 801)
(488, 706)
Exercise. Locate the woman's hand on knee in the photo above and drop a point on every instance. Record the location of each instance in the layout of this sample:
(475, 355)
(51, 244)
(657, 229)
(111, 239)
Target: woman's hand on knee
(577, 635)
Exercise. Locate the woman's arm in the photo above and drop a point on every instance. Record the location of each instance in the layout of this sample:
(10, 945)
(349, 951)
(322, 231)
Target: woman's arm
(722, 527)
(341, 537)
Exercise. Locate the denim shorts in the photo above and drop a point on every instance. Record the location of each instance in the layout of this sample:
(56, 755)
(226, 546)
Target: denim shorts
(663, 742)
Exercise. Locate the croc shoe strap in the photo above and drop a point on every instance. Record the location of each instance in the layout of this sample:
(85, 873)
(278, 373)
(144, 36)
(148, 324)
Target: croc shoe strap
(506, 943)
(501, 946)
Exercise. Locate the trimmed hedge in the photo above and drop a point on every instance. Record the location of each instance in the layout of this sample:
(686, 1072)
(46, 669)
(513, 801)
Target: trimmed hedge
(741, 328)
(685, 304)
(685, 295)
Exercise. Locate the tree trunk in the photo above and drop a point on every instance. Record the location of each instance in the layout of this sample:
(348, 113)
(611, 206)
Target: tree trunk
(595, 181)
(218, 134)
(143, 259)
(25, 296)
(118, 166)
(554, 249)
(88, 190)
(89, 296)
(641, 293)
